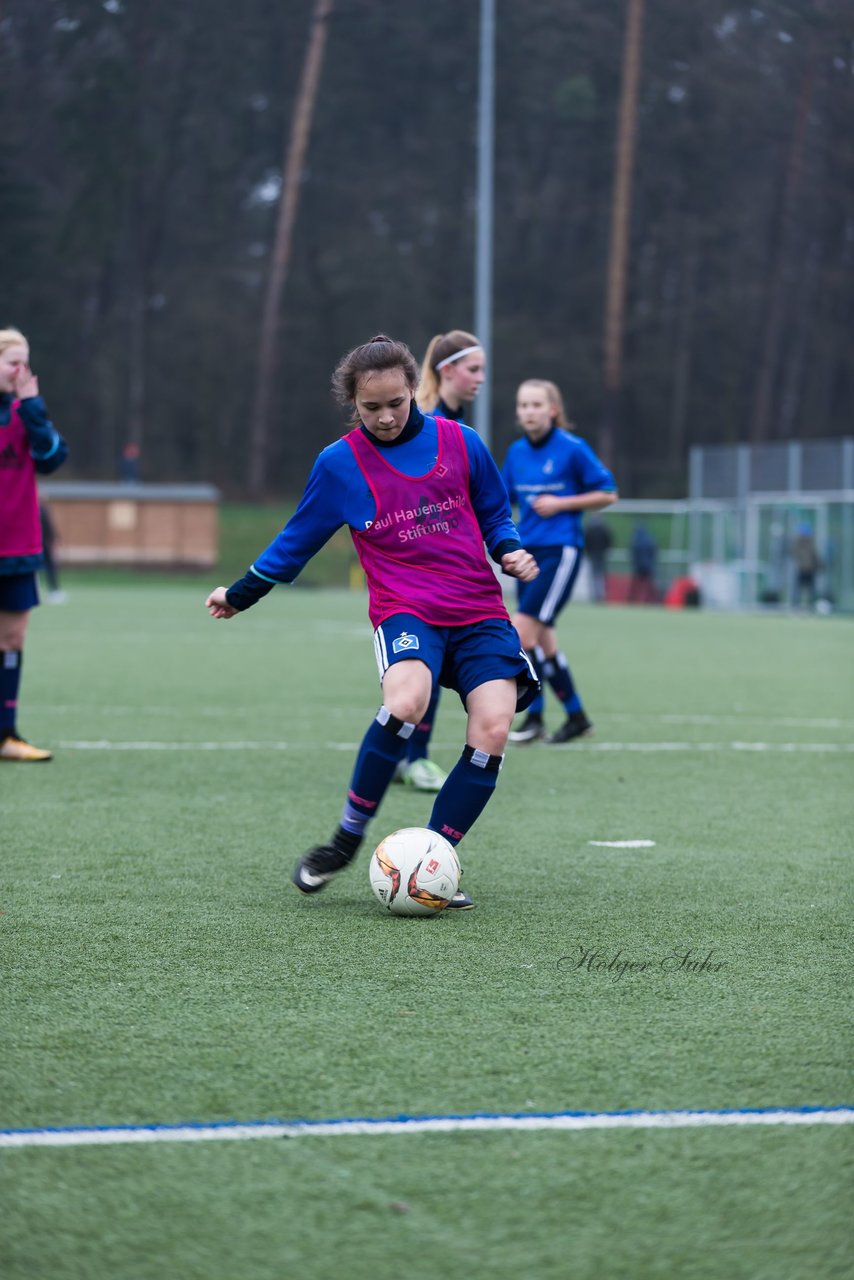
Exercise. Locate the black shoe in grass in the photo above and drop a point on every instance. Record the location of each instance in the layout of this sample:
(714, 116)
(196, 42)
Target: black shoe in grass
(460, 902)
(576, 725)
(530, 730)
(317, 867)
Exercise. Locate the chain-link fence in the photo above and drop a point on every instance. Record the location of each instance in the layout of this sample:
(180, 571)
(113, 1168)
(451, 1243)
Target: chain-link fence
(769, 525)
(784, 533)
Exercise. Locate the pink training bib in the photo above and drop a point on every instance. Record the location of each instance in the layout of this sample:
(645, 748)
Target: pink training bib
(20, 526)
(424, 553)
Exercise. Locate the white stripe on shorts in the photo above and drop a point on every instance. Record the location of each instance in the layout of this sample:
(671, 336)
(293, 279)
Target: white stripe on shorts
(529, 664)
(568, 557)
(380, 652)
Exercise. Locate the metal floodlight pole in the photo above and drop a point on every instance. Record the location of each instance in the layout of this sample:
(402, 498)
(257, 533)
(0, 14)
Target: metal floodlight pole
(485, 190)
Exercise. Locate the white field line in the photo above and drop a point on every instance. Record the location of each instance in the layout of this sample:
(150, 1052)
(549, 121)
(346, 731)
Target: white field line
(623, 844)
(709, 746)
(792, 722)
(235, 1132)
(742, 718)
(105, 744)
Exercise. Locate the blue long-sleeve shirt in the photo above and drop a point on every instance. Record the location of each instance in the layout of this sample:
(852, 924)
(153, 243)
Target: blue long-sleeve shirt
(47, 447)
(337, 494)
(561, 464)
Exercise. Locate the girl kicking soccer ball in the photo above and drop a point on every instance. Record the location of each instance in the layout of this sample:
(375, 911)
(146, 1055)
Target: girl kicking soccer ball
(420, 495)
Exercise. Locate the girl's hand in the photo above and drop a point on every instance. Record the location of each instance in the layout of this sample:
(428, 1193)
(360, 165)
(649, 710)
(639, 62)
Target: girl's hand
(520, 564)
(25, 382)
(546, 504)
(217, 605)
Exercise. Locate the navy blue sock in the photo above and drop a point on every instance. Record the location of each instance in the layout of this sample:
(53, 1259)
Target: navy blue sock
(556, 671)
(467, 790)
(419, 743)
(10, 679)
(537, 706)
(382, 747)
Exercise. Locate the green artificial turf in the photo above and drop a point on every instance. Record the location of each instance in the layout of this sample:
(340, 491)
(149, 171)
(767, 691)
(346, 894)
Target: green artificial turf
(159, 968)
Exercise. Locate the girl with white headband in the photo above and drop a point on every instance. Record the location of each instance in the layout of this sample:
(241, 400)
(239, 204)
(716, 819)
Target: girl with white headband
(452, 373)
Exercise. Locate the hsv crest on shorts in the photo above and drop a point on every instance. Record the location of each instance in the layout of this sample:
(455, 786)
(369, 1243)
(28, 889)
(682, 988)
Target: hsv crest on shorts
(406, 640)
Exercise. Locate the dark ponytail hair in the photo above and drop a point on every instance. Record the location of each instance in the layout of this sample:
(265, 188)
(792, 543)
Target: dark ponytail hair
(378, 355)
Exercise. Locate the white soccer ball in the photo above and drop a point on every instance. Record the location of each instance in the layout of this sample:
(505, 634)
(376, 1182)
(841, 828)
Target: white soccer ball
(414, 872)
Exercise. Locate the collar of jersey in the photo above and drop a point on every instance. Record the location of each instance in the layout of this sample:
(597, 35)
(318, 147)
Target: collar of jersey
(414, 423)
(539, 444)
(444, 411)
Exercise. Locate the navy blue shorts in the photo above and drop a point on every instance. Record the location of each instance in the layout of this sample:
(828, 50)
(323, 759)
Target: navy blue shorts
(544, 598)
(459, 658)
(18, 592)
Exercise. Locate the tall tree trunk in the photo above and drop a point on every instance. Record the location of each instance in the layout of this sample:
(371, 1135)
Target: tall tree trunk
(620, 215)
(775, 312)
(791, 391)
(292, 166)
(135, 267)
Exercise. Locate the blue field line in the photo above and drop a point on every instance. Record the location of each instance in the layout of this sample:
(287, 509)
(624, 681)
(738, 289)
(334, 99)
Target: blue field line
(234, 1130)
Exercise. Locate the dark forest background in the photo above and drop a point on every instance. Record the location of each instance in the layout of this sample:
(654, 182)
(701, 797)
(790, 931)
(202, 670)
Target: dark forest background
(141, 158)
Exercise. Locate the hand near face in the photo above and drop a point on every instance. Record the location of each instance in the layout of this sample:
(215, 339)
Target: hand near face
(520, 564)
(25, 382)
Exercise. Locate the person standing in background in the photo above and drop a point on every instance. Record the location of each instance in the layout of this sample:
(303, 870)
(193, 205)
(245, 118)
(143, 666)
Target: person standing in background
(807, 564)
(598, 541)
(644, 556)
(50, 568)
(29, 444)
(129, 464)
(554, 477)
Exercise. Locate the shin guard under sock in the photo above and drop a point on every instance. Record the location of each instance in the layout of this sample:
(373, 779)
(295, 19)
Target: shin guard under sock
(466, 792)
(556, 671)
(382, 748)
(10, 679)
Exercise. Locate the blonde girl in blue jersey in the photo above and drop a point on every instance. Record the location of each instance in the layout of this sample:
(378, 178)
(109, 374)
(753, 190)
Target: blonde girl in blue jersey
(554, 477)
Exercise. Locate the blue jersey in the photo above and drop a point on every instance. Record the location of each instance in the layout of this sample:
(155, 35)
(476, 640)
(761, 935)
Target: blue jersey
(337, 494)
(560, 464)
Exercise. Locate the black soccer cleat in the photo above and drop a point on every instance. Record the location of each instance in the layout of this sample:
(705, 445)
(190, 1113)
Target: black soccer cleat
(530, 730)
(576, 725)
(317, 867)
(460, 902)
